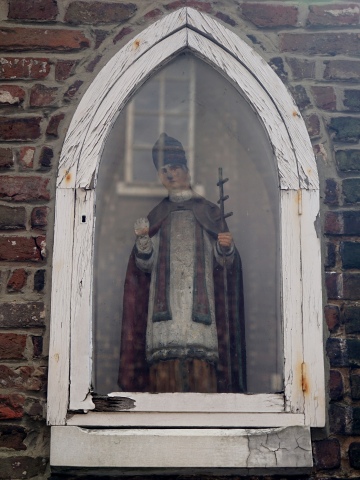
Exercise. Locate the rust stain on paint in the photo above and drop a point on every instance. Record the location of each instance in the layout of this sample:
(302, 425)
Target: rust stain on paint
(304, 378)
(68, 177)
(137, 43)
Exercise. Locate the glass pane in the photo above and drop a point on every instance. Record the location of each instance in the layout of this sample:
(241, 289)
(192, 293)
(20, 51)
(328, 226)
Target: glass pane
(173, 312)
(147, 99)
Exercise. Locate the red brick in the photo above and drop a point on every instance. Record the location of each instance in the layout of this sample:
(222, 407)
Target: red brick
(342, 70)
(11, 95)
(6, 158)
(91, 65)
(351, 286)
(320, 43)
(123, 32)
(52, 128)
(267, 15)
(334, 224)
(334, 14)
(17, 280)
(202, 6)
(22, 315)
(41, 96)
(12, 436)
(64, 69)
(331, 192)
(155, 13)
(11, 407)
(19, 249)
(332, 316)
(313, 125)
(12, 346)
(71, 91)
(24, 68)
(96, 13)
(336, 385)
(325, 97)
(26, 157)
(12, 218)
(225, 18)
(22, 189)
(30, 39)
(46, 157)
(21, 129)
(333, 282)
(40, 10)
(327, 453)
(25, 378)
(39, 217)
(301, 68)
(37, 340)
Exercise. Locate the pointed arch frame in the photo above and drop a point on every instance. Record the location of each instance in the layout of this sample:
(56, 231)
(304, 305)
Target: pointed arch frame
(70, 359)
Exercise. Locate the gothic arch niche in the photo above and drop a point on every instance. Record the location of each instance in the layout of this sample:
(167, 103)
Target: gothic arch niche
(290, 413)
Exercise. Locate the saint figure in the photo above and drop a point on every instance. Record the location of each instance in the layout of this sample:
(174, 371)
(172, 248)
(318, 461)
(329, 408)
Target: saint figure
(174, 335)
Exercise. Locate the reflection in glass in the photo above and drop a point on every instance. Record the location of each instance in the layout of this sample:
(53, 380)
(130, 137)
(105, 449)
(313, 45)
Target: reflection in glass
(216, 127)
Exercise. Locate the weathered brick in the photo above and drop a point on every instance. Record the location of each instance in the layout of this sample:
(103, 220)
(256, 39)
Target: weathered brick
(351, 190)
(270, 15)
(17, 280)
(353, 351)
(6, 158)
(336, 349)
(313, 125)
(96, 13)
(35, 409)
(334, 224)
(277, 64)
(91, 65)
(12, 437)
(333, 283)
(330, 258)
(19, 249)
(323, 43)
(71, 91)
(11, 407)
(347, 129)
(350, 254)
(352, 319)
(332, 316)
(24, 378)
(23, 467)
(26, 157)
(24, 189)
(351, 286)
(352, 100)
(198, 5)
(34, 39)
(342, 70)
(53, 126)
(336, 385)
(327, 453)
(301, 68)
(39, 217)
(11, 95)
(300, 96)
(64, 69)
(39, 280)
(348, 160)
(225, 18)
(24, 68)
(12, 346)
(123, 33)
(22, 315)
(42, 96)
(351, 221)
(46, 156)
(324, 97)
(37, 341)
(334, 14)
(340, 419)
(153, 14)
(355, 386)
(38, 10)
(21, 129)
(354, 455)
(355, 421)
(331, 192)
(12, 218)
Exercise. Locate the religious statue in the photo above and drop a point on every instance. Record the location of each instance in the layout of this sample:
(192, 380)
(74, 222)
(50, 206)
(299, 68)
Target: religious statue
(183, 309)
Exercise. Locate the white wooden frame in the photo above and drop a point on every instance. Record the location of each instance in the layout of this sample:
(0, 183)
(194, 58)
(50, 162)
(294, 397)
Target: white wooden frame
(70, 358)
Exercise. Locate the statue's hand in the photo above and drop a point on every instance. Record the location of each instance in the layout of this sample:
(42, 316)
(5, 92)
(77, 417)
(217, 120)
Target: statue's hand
(225, 240)
(141, 227)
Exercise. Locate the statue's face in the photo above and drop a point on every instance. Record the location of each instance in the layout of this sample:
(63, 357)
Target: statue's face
(174, 177)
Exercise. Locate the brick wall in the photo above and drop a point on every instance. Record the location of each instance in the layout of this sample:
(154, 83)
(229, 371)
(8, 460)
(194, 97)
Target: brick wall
(51, 51)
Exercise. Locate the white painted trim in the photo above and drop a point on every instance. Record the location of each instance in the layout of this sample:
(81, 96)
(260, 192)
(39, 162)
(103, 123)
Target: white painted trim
(79, 162)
